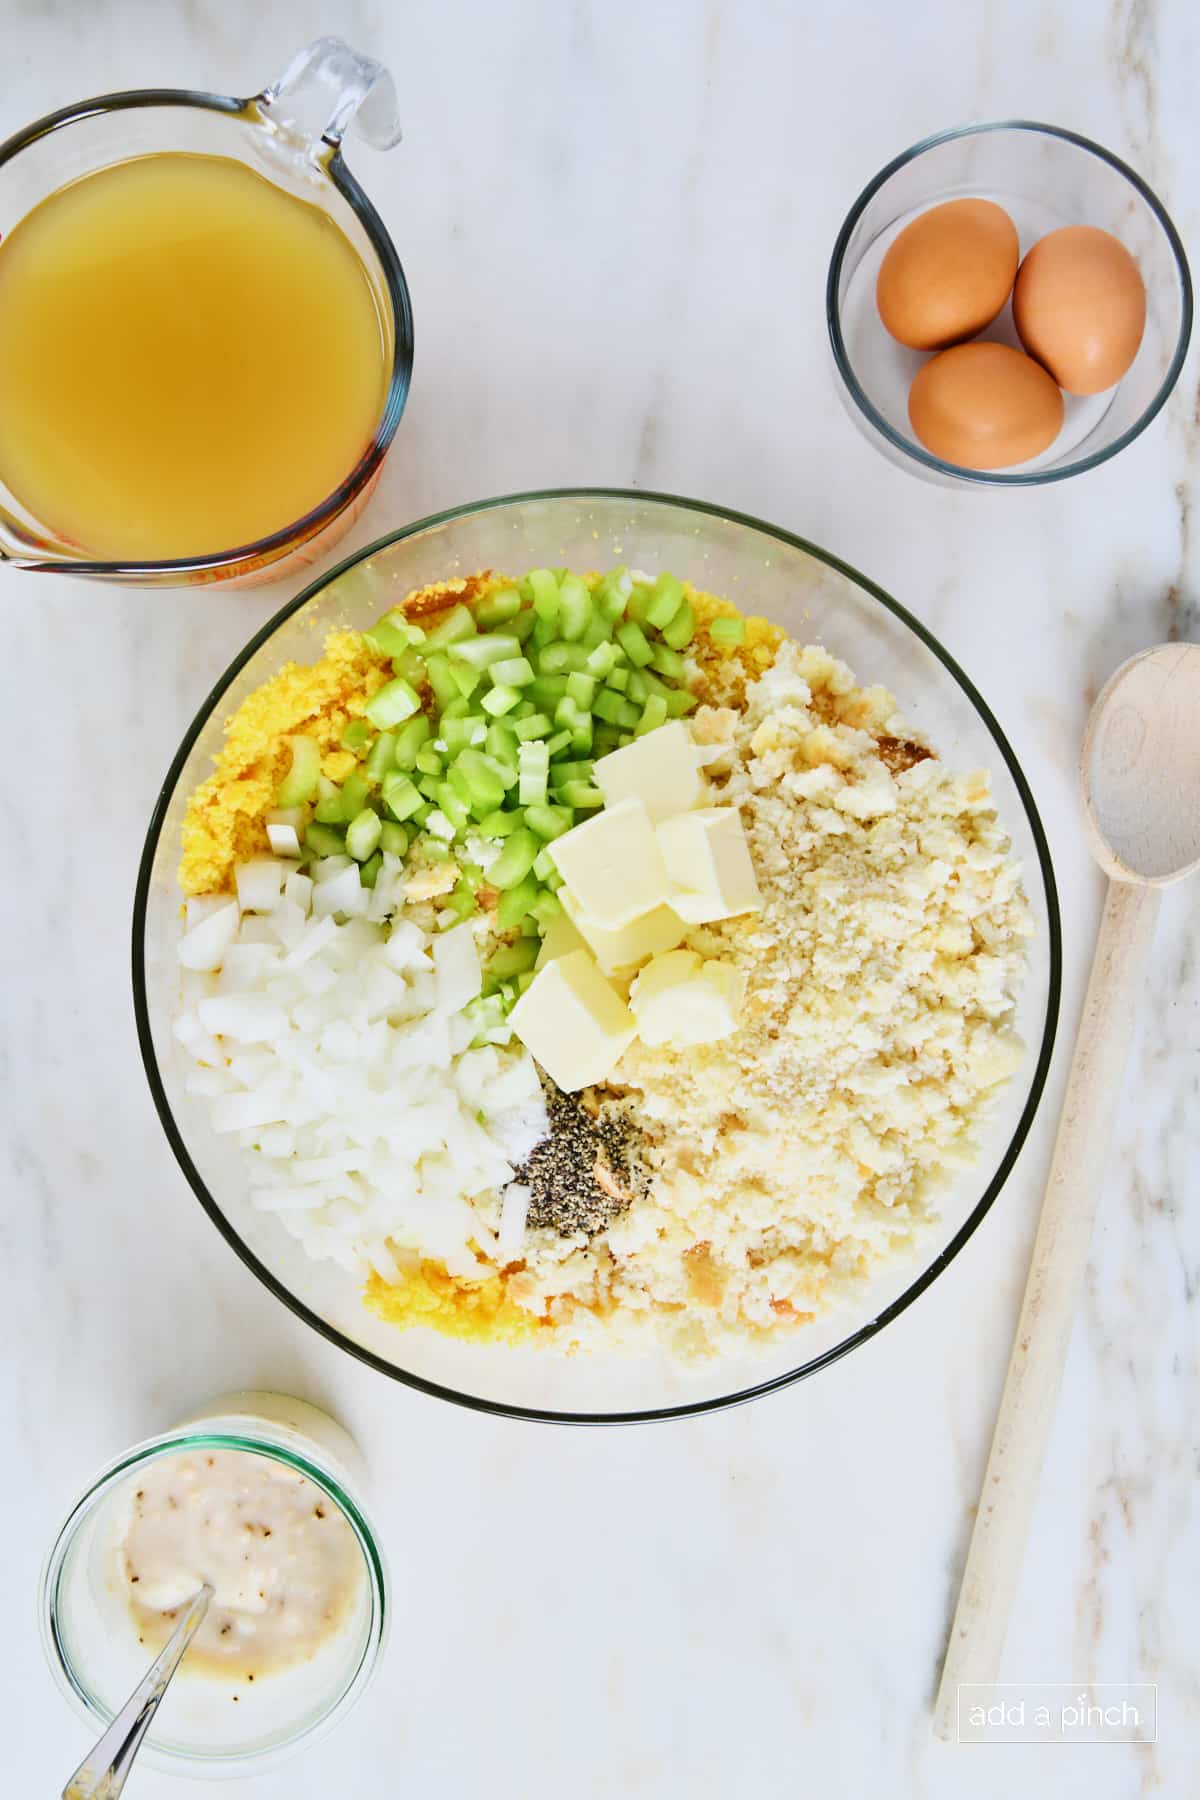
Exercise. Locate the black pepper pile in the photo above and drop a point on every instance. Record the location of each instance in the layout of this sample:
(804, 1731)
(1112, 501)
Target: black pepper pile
(587, 1171)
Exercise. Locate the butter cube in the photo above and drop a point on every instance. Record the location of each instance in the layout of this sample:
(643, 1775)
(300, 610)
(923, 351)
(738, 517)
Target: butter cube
(681, 999)
(612, 865)
(629, 944)
(660, 770)
(573, 1022)
(708, 861)
(559, 939)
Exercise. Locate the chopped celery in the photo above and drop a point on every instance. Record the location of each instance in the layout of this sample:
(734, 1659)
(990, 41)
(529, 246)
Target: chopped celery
(632, 640)
(573, 771)
(668, 662)
(547, 690)
(500, 700)
(429, 785)
(363, 834)
(613, 593)
(559, 658)
(664, 602)
(409, 738)
(558, 743)
(513, 959)
(609, 706)
(382, 756)
(501, 824)
(543, 868)
(549, 821)
(392, 635)
(638, 687)
(465, 678)
(682, 628)
(618, 678)
(639, 600)
(652, 684)
(394, 701)
(369, 873)
(329, 803)
(534, 725)
(457, 625)
(496, 607)
(568, 714)
(357, 736)
(523, 625)
(300, 782)
(423, 814)
(355, 791)
(604, 739)
(533, 769)
(543, 586)
(454, 808)
(516, 902)
(427, 760)
(726, 631)
(485, 791)
(458, 708)
(461, 734)
(679, 701)
(323, 840)
(581, 688)
(481, 652)
(596, 631)
(524, 981)
(544, 632)
(441, 680)
(400, 796)
(547, 906)
(411, 665)
(393, 839)
(580, 795)
(514, 861)
(654, 714)
(512, 671)
(601, 662)
(463, 900)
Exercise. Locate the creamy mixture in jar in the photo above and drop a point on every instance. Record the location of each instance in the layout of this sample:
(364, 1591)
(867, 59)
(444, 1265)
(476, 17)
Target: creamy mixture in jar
(284, 1564)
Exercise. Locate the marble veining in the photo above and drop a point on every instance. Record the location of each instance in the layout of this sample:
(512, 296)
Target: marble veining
(615, 219)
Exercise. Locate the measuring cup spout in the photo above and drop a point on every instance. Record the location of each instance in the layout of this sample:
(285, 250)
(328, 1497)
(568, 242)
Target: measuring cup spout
(326, 86)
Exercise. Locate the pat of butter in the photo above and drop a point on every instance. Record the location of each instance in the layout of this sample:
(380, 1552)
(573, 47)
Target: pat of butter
(681, 999)
(708, 861)
(612, 865)
(659, 769)
(559, 939)
(573, 1022)
(656, 931)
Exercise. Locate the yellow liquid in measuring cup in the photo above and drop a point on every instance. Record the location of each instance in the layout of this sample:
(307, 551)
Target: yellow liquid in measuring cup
(190, 359)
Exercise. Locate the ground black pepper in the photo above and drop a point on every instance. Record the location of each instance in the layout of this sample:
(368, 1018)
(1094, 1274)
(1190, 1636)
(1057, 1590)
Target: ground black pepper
(590, 1167)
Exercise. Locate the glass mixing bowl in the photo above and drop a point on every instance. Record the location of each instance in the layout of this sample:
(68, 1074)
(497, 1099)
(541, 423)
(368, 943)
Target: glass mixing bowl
(762, 570)
(1044, 178)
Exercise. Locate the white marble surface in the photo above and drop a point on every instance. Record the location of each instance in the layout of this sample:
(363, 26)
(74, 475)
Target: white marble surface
(615, 220)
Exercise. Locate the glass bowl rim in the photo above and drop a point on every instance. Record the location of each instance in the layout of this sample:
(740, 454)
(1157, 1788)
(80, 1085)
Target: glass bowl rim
(476, 1402)
(261, 551)
(169, 1443)
(992, 477)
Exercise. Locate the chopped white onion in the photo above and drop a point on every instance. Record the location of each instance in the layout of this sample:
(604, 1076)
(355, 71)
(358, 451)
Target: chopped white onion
(204, 946)
(258, 884)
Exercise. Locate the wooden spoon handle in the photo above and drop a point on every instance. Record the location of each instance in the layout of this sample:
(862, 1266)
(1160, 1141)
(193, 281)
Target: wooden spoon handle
(1051, 1294)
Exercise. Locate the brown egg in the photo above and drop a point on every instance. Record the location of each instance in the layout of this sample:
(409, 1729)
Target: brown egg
(1079, 306)
(984, 406)
(948, 274)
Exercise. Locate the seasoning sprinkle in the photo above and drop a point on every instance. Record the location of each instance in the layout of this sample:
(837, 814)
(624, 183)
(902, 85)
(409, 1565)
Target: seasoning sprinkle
(587, 1170)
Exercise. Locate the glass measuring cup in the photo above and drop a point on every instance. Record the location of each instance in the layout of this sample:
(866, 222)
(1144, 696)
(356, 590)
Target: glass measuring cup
(291, 132)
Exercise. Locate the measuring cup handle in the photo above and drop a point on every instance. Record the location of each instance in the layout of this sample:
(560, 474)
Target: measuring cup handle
(327, 85)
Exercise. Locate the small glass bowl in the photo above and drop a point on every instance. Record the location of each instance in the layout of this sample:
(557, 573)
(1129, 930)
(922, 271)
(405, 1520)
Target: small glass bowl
(1043, 177)
(91, 1643)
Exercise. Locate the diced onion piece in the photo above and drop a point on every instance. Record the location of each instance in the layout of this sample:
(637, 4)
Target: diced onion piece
(258, 883)
(204, 946)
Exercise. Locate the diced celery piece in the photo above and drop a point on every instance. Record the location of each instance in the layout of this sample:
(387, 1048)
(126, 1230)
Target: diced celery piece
(558, 743)
(514, 861)
(324, 840)
(613, 593)
(579, 795)
(547, 690)
(458, 708)
(409, 738)
(679, 701)
(461, 734)
(533, 768)
(639, 600)
(524, 625)
(382, 756)
(652, 684)
(572, 771)
(668, 662)
(547, 906)
(608, 705)
(452, 629)
(619, 678)
(501, 823)
(664, 601)
(355, 791)
(558, 658)
(499, 700)
(368, 875)
(638, 688)
(423, 813)
(400, 796)
(534, 725)
(568, 714)
(543, 867)
(543, 587)
(427, 760)
(455, 809)
(393, 838)
(576, 603)
(516, 902)
(392, 634)
(481, 652)
(357, 736)
(502, 740)
(411, 665)
(441, 680)
(465, 678)
(581, 688)
(597, 630)
(485, 791)
(727, 631)
(363, 834)
(604, 739)
(513, 959)
(545, 631)
(512, 671)
(600, 661)
(654, 714)
(496, 607)
(682, 628)
(632, 640)
(300, 783)
(524, 982)
(429, 785)
(463, 900)
(549, 821)
(396, 700)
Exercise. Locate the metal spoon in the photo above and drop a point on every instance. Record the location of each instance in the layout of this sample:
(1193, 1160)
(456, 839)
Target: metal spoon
(1140, 775)
(104, 1770)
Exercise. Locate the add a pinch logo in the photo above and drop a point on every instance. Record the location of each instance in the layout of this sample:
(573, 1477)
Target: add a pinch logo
(1014, 1712)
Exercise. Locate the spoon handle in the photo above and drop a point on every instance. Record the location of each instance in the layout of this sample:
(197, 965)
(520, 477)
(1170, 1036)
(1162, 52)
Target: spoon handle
(103, 1772)
(1051, 1293)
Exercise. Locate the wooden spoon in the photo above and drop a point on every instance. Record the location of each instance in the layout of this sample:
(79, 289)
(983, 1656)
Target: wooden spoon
(1140, 773)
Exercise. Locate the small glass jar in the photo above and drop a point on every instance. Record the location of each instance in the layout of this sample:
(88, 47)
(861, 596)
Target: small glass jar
(91, 1640)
